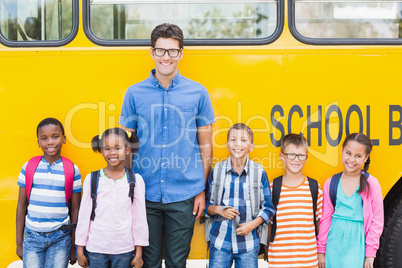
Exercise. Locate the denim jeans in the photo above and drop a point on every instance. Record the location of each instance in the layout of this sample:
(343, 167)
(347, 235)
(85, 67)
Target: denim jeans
(99, 260)
(221, 259)
(49, 250)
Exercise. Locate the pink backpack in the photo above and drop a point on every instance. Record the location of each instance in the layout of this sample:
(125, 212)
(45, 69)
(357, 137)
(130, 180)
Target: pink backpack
(68, 174)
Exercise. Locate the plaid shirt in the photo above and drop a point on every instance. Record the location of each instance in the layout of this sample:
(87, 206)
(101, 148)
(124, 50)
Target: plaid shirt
(236, 194)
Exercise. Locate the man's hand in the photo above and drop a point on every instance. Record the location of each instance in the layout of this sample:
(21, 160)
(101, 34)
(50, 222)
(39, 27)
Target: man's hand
(199, 205)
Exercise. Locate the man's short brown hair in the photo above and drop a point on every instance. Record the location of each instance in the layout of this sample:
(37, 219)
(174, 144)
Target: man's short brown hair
(167, 30)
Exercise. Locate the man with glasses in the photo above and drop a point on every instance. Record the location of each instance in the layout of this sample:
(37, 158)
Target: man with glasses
(172, 117)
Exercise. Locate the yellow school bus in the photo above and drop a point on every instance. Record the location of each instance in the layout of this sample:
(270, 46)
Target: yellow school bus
(323, 68)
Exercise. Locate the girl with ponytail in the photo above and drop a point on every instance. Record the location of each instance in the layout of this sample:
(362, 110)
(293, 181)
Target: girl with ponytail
(350, 230)
(113, 226)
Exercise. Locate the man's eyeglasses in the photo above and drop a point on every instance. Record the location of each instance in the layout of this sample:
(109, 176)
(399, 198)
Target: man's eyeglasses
(301, 157)
(160, 52)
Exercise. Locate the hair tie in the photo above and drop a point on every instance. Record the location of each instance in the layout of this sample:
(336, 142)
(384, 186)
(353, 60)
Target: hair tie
(363, 172)
(100, 136)
(128, 134)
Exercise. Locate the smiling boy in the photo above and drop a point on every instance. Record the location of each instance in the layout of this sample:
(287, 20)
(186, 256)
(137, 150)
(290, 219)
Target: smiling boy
(242, 207)
(45, 235)
(293, 231)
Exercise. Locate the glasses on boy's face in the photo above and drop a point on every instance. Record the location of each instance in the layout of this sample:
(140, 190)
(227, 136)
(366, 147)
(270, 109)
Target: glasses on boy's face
(160, 52)
(301, 157)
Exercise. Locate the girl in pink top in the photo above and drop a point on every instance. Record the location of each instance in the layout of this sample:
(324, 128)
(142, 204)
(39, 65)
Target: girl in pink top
(119, 229)
(349, 234)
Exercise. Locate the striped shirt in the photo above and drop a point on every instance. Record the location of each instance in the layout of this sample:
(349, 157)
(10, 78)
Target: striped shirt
(47, 209)
(295, 243)
(236, 194)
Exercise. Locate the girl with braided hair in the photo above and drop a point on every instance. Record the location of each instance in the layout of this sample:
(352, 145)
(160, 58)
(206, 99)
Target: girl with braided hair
(353, 214)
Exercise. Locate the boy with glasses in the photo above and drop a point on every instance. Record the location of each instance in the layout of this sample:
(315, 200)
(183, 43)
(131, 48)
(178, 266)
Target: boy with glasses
(298, 201)
(172, 117)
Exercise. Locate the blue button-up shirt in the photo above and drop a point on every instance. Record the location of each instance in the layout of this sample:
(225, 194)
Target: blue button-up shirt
(236, 194)
(166, 121)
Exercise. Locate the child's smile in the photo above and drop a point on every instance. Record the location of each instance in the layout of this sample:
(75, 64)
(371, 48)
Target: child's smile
(50, 140)
(354, 156)
(293, 165)
(114, 150)
(239, 143)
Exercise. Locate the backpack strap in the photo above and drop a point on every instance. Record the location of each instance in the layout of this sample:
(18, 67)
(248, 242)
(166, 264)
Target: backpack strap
(276, 193)
(219, 183)
(313, 184)
(218, 172)
(333, 188)
(69, 173)
(131, 182)
(94, 191)
(95, 183)
(29, 174)
(255, 173)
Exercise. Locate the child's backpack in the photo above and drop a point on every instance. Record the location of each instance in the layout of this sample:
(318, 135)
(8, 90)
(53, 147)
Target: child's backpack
(255, 173)
(333, 187)
(276, 193)
(69, 171)
(94, 188)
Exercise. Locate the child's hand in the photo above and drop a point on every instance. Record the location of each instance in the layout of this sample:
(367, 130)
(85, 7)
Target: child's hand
(245, 228)
(137, 262)
(19, 251)
(228, 213)
(266, 253)
(321, 260)
(82, 260)
(73, 259)
(368, 262)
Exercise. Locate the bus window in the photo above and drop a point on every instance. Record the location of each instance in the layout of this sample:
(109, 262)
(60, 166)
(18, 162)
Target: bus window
(36, 22)
(124, 22)
(370, 20)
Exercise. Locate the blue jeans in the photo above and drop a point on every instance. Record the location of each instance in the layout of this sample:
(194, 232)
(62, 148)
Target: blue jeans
(49, 250)
(99, 260)
(221, 259)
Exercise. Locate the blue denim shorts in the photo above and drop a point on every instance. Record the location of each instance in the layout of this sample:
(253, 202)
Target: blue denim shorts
(221, 259)
(99, 260)
(46, 249)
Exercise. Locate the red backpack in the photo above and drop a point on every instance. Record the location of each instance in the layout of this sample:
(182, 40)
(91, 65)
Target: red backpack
(68, 174)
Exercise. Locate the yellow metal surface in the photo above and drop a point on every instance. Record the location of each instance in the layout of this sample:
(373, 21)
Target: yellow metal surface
(83, 85)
